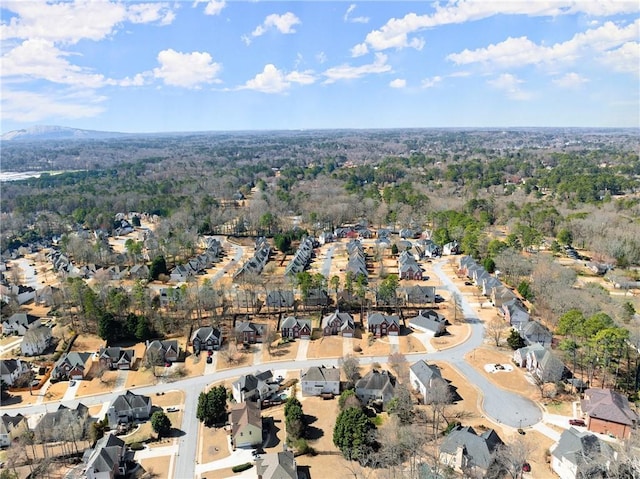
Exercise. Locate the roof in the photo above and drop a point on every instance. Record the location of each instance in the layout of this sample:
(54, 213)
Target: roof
(249, 326)
(609, 406)
(376, 380)
(116, 353)
(205, 333)
(167, 345)
(291, 322)
(7, 366)
(278, 465)
(317, 373)
(425, 372)
(477, 449)
(243, 414)
(346, 320)
(579, 447)
(379, 318)
(129, 401)
(106, 454)
(9, 422)
(428, 320)
(250, 382)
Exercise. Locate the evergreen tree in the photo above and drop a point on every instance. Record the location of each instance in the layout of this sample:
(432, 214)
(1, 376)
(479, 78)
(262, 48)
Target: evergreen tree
(352, 433)
(160, 423)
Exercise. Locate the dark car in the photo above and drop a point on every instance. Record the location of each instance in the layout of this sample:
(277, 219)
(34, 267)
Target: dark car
(209, 359)
(577, 422)
(526, 467)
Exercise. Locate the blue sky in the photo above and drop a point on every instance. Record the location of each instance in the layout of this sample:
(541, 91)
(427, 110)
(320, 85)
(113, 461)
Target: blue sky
(245, 65)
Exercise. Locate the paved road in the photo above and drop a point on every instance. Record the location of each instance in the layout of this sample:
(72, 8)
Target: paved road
(326, 266)
(500, 405)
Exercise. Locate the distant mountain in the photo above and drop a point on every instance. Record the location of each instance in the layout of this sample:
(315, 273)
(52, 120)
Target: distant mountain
(45, 132)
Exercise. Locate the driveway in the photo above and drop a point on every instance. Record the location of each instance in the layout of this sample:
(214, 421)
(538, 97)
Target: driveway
(326, 266)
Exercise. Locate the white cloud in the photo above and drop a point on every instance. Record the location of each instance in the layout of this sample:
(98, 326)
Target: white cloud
(570, 80)
(42, 60)
(213, 7)
(359, 50)
(395, 33)
(273, 80)
(70, 22)
(510, 84)
(189, 70)
(348, 72)
(321, 58)
(623, 59)
(431, 82)
(283, 23)
(25, 106)
(398, 83)
(516, 52)
(350, 19)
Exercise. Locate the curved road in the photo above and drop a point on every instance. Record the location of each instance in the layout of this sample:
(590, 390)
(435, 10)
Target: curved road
(499, 405)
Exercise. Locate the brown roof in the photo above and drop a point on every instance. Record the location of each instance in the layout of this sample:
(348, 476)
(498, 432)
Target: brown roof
(243, 414)
(609, 406)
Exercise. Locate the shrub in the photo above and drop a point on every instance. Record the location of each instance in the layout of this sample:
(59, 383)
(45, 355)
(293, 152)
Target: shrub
(242, 467)
(136, 446)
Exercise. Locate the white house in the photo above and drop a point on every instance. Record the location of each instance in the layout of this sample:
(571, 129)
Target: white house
(318, 380)
(580, 454)
(427, 380)
(36, 341)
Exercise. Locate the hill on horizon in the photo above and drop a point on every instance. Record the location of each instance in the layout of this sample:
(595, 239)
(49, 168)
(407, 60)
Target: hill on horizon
(53, 132)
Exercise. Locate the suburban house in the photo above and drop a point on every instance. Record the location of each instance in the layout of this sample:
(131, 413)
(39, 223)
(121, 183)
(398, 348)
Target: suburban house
(279, 299)
(139, 271)
(320, 380)
(608, 412)
(294, 328)
(515, 313)
(535, 333)
(246, 425)
(206, 338)
(520, 355)
(338, 323)
(464, 450)
(429, 321)
(128, 407)
(408, 267)
(544, 365)
(277, 465)
(74, 420)
(250, 333)
(254, 387)
(12, 427)
(451, 248)
(500, 295)
(36, 340)
(21, 293)
(376, 387)
(301, 258)
(108, 459)
(116, 358)
(316, 297)
(427, 380)
(19, 323)
(579, 454)
(419, 294)
(72, 365)
(162, 352)
(382, 325)
(11, 370)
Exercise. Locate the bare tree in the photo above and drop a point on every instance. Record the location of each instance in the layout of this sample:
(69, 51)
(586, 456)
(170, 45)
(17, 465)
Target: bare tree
(398, 362)
(495, 329)
(350, 367)
(510, 458)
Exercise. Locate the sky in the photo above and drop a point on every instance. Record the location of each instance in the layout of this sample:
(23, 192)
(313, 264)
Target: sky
(215, 65)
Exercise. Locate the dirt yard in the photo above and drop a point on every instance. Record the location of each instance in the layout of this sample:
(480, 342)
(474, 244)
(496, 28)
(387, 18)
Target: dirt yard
(458, 333)
(157, 467)
(326, 347)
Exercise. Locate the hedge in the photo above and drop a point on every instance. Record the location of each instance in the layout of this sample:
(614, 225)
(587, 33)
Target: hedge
(242, 467)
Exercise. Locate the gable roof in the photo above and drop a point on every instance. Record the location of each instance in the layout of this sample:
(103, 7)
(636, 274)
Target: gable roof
(117, 353)
(292, 321)
(320, 373)
(579, 447)
(478, 449)
(129, 401)
(246, 326)
(346, 320)
(376, 380)
(106, 455)
(7, 423)
(429, 319)
(205, 333)
(608, 405)
(379, 318)
(425, 372)
(278, 465)
(243, 414)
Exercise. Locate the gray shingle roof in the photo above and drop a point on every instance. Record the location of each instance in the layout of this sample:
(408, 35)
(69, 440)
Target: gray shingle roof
(477, 449)
(321, 374)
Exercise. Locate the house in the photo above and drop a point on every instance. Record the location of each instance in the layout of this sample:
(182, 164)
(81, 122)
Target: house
(501, 295)
(608, 412)
(316, 297)
(338, 323)
(534, 332)
(20, 293)
(545, 366)
(515, 313)
(579, 454)
(326, 237)
(451, 248)
(382, 325)
(408, 267)
(429, 321)
(36, 340)
(19, 323)
(206, 338)
(246, 425)
(72, 365)
(139, 271)
(110, 458)
(376, 387)
(250, 333)
(520, 355)
(181, 273)
(11, 428)
(465, 451)
(116, 358)
(294, 328)
(128, 407)
(427, 380)
(11, 370)
(279, 299)
(320, 380)
(254, 387)
(420, 295)
(162, 352)
(277, 465)
(74, 420)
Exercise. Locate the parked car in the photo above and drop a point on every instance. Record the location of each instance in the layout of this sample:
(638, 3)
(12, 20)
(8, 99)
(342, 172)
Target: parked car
(172, 409)
(209, 359)
(526, 467)
(577, 422)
